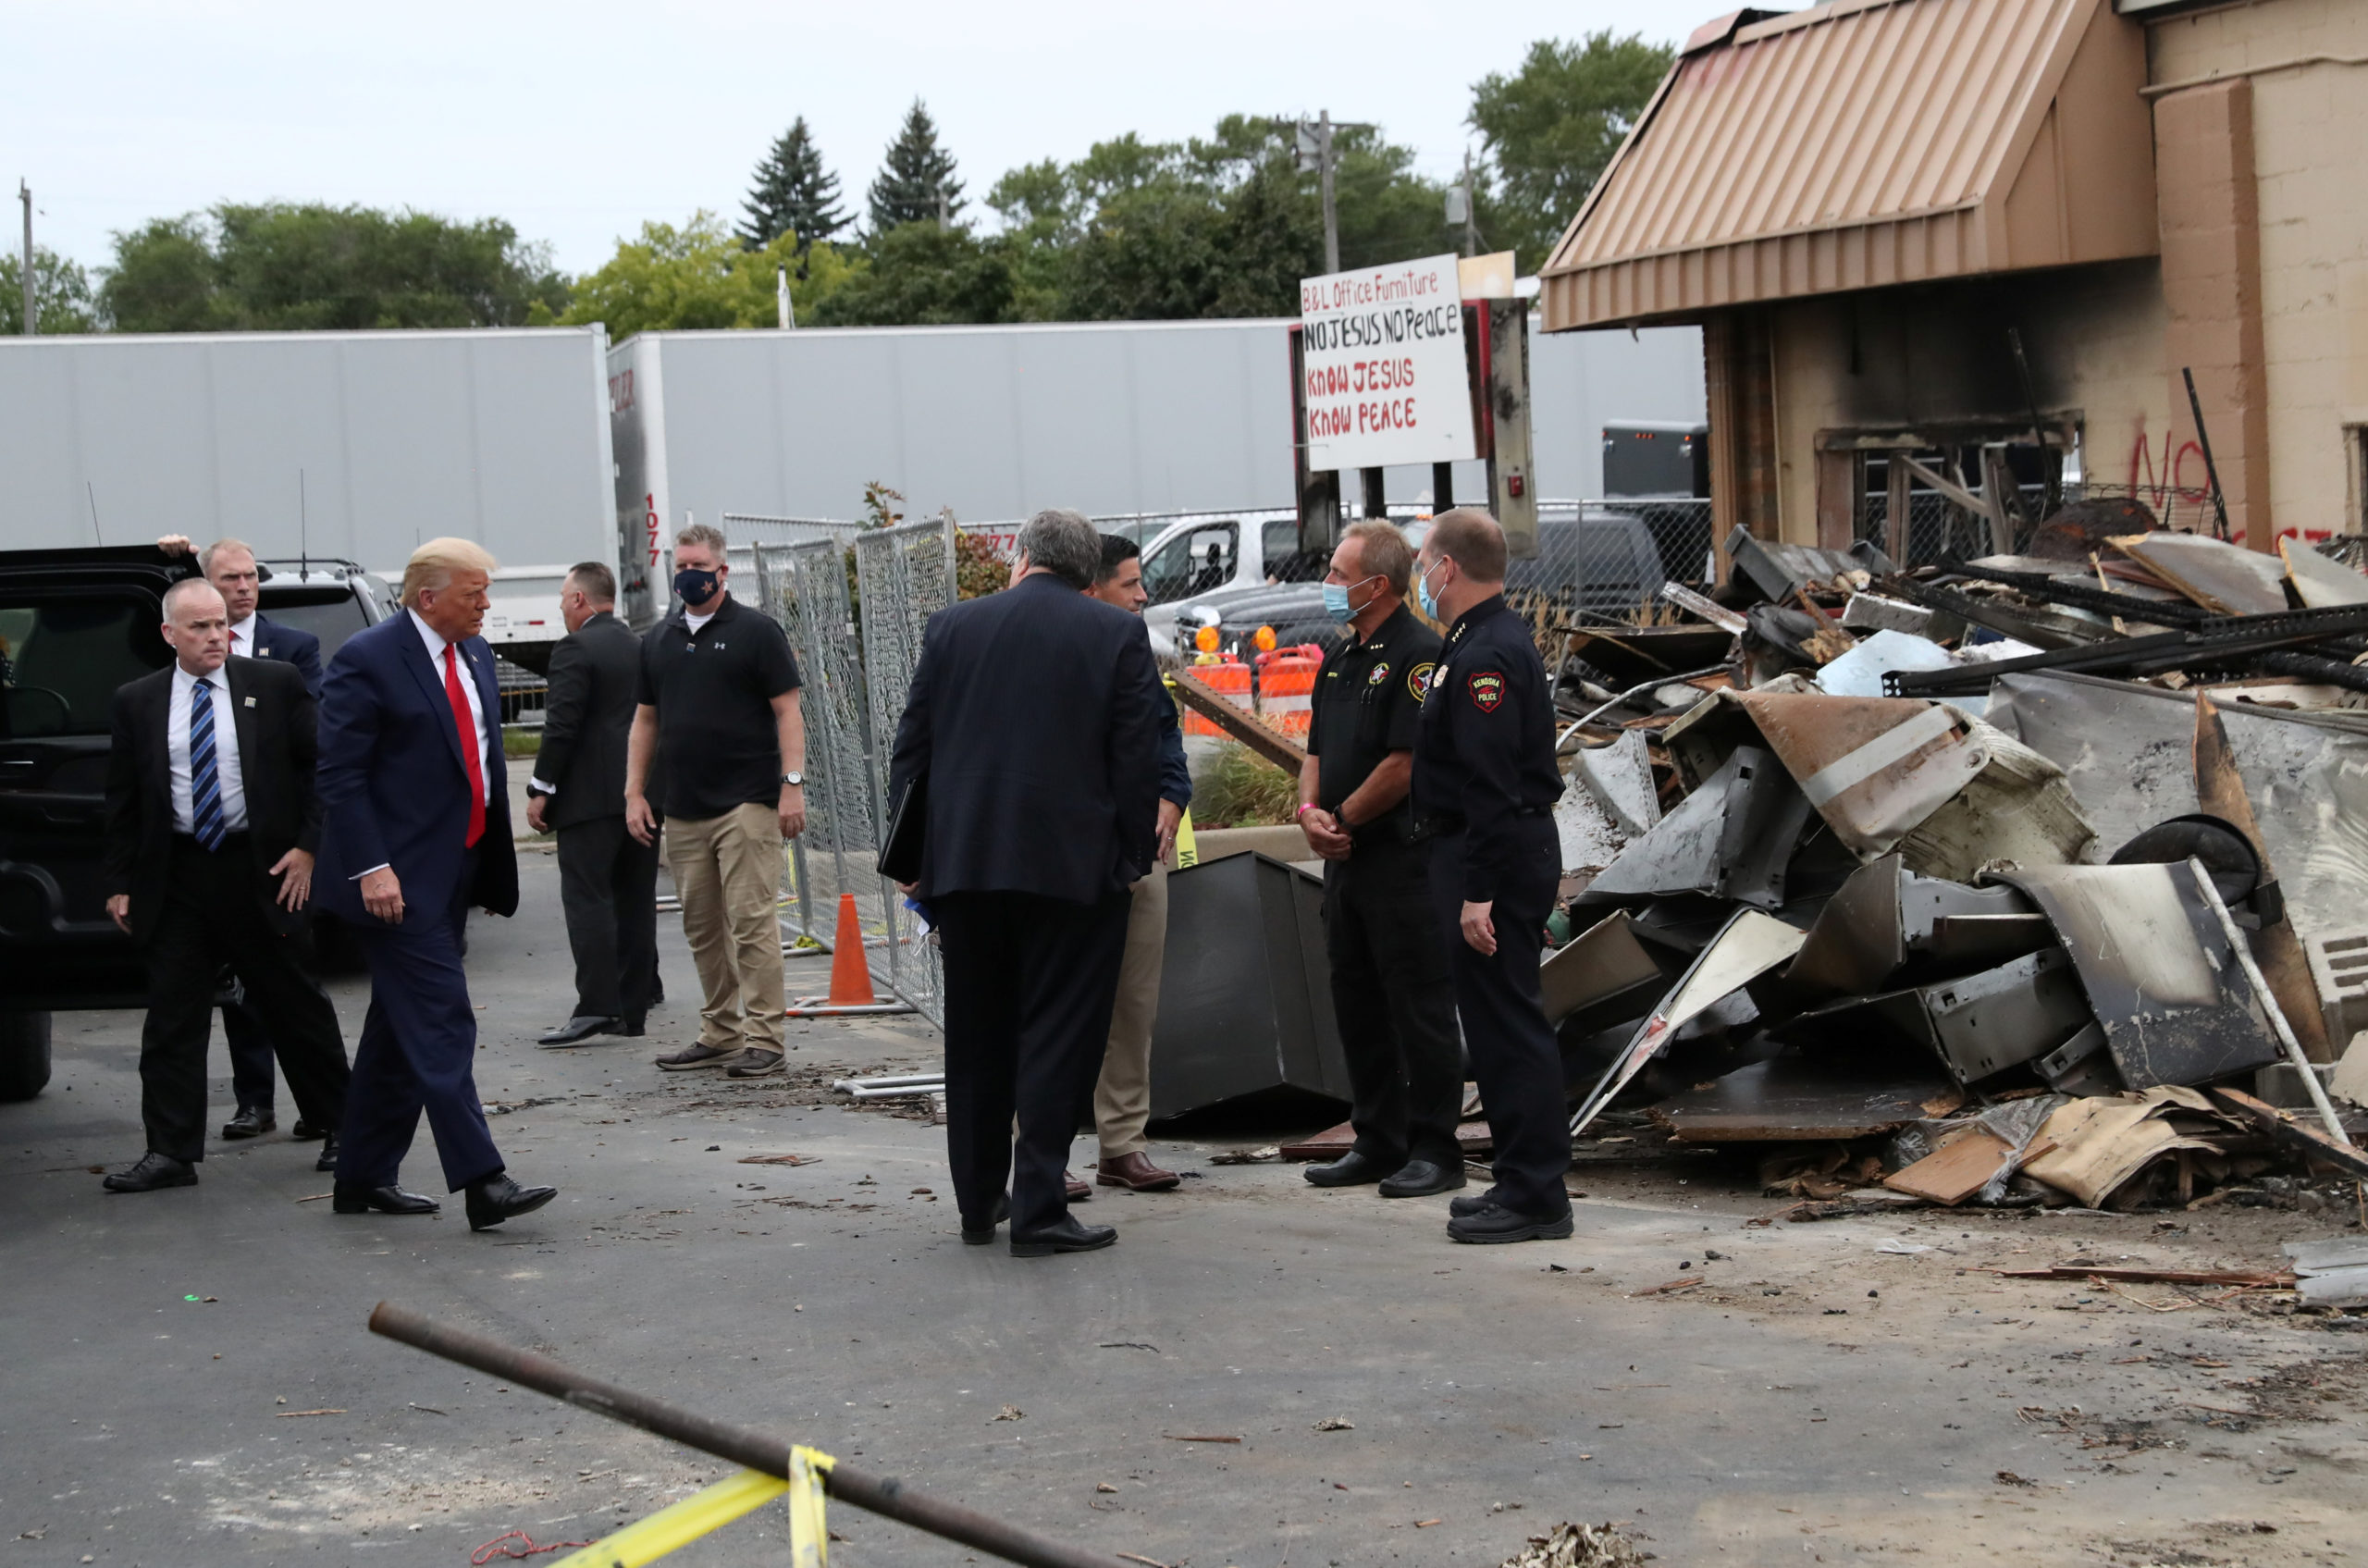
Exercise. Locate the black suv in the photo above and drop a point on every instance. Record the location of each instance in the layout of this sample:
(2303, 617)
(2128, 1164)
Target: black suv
(74, 625)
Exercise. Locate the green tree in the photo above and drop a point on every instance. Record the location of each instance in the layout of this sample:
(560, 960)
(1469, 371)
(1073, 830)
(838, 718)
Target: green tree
(701, 275)
(62, 299)
(1551, 128)
(288, 266)
(917, 176)
(925, 274)
(793, 194)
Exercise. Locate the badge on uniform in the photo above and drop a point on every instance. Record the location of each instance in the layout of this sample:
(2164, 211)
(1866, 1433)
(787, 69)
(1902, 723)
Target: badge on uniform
(1488, 689)
(1380, 673)
(1418, 680)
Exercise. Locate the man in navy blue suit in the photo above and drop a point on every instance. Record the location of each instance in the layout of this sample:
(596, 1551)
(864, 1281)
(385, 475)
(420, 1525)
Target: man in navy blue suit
(417, 832)
(229, 565)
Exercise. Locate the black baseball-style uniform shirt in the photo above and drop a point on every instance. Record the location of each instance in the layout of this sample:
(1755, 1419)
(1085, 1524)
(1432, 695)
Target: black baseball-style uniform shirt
(718, 747)
(1485, 756)
(1369, 703)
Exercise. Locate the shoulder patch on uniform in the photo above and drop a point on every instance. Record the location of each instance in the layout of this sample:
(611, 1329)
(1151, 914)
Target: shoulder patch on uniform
(1380, 673)
(1418, 680)
(1487, 688)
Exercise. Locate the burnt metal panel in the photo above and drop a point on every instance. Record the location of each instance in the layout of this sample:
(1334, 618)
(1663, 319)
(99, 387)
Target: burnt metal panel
(1886, 918)
(1732, 838)
(1976, 1024)
(1245, 999)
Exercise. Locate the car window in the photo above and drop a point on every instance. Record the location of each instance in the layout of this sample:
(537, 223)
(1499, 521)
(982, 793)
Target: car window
(62, 657)
(1282, 543)
(330, 615)
(1192, 563)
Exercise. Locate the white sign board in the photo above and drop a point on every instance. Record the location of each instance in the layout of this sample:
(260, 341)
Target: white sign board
(1383, 373)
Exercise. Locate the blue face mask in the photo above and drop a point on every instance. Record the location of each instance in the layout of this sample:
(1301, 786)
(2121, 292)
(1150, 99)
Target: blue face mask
(1423, 595)
(1336, 600)
(694, 587)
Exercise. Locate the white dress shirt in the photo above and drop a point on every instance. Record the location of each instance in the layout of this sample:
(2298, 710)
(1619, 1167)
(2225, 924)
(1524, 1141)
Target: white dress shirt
(242, 637)
(226, 752)
(436, 645)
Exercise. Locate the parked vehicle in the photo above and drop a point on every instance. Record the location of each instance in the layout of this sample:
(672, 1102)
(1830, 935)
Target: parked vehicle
(74, 625)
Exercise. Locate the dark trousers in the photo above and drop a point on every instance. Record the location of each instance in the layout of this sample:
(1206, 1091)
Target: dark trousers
(417, 1051)
(608, 888)
(214, 914)
(251, 1080)
(1394, 996)
(1514, 1058)
(1030, 984)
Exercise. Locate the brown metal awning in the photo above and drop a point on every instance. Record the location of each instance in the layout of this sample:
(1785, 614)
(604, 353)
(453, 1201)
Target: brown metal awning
(1866, 142)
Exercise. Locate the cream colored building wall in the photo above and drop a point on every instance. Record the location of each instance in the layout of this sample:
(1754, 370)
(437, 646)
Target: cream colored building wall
(2310, 160)
(2093, 335)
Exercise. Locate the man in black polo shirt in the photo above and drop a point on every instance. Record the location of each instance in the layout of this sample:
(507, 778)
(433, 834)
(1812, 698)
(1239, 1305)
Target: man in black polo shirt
(718, 713)
(1391, 987)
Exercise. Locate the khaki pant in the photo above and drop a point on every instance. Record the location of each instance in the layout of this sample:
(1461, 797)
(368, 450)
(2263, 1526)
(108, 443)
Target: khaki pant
(1122, 1097)
(727, 872)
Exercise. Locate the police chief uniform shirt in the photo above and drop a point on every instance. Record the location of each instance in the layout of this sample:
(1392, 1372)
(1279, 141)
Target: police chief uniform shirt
(1487, 752)
(1368, 704)
(717, 744)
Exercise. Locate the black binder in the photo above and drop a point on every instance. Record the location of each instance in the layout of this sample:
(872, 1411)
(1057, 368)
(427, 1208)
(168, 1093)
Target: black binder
(900, 847)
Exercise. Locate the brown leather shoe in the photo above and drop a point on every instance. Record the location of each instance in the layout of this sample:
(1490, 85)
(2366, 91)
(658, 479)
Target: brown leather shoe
(1077, 1190)
(1136, 1173)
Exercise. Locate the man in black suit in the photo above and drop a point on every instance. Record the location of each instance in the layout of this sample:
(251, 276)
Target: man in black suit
(212, 826)
(231, 566)
(1033, 728)
(607, 879)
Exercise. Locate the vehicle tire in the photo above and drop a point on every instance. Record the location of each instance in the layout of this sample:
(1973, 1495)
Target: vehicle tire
(24, 1054)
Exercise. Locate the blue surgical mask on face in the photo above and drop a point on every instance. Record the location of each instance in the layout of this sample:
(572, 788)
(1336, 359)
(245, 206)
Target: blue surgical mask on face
(694, 587)
(1423, 595)
(1336, 600)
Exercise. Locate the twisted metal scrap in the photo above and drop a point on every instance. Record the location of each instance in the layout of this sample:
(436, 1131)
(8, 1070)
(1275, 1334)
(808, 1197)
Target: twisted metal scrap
(1579, 1546)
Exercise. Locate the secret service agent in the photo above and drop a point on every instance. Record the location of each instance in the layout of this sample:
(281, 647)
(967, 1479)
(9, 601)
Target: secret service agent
(1391, 991)
(1485, 788)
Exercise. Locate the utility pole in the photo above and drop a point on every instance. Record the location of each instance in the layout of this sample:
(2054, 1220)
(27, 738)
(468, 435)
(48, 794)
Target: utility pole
(32, 322)
(784, 309)
(1324, 152)
(1471, 209)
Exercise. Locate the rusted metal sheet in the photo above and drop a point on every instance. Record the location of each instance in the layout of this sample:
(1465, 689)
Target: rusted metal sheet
(1860, 144)
(2157, 969)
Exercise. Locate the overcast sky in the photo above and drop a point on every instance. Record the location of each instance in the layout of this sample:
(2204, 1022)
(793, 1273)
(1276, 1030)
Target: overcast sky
(578, 122)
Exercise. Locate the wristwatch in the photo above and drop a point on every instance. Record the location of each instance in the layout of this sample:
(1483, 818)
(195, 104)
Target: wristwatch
(793, 778)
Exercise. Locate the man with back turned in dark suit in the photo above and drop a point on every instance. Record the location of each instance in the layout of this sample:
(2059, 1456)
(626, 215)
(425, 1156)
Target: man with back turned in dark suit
(212, 824)
(416, 833)
(231, 566)
(1032, 725)
(607, 879)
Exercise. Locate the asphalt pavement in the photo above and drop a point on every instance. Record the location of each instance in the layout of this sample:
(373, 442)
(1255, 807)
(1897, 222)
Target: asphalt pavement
(189, 1380)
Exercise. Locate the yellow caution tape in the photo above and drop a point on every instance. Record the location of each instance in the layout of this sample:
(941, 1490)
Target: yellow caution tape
(645, 1540)
(1188, 848)
(809, 1539)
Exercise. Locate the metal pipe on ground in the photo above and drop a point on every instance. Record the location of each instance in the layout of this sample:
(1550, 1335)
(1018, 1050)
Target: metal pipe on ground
(877, 1494)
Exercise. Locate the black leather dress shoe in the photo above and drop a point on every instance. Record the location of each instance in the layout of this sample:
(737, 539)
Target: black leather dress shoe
(250, 1123)
(1351, 1170)
(577, 1029)
(153, 1170)
(980, 1235)
(1497, 1223)
(328, 1155)
(1459, 1207)
(498, 1198)
(1419, 1179)
(1065, 1235)
(305, 1132)
(352, 1197)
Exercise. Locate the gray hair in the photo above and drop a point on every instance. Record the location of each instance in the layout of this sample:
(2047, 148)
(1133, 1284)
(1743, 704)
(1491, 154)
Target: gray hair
(1065, 544)
(705, 535)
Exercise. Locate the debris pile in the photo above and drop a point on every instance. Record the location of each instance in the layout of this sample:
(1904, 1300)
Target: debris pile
(2032, 880)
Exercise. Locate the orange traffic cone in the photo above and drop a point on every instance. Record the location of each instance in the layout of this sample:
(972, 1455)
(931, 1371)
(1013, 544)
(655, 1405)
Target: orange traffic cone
(850, 974)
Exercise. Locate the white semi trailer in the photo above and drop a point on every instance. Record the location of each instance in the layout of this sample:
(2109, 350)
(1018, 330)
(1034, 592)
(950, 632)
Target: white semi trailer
(340, 445)
(997, 422)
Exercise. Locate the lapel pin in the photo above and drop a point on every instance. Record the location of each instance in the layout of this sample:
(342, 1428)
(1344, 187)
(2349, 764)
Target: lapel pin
(250, 702)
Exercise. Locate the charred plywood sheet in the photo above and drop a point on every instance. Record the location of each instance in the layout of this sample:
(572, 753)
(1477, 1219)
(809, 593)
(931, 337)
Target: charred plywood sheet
(2216, 575)
(2158, 971)
(1793, 1098)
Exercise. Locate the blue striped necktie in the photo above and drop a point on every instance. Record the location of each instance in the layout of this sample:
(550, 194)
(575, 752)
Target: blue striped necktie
(205, 783)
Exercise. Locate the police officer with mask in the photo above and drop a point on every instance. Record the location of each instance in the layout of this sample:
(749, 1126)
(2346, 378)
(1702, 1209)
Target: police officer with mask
(1485, 788)
(1390, 987)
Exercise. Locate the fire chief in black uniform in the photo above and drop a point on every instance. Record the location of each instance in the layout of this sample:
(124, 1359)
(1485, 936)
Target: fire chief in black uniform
(1484, 786)
(1390, 985)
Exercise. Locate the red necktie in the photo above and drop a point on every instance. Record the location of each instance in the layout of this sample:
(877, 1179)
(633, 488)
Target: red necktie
(460, 701)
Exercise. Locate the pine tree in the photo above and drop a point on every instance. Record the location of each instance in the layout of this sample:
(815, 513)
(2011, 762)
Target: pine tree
(794, 193)
(917, 176)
